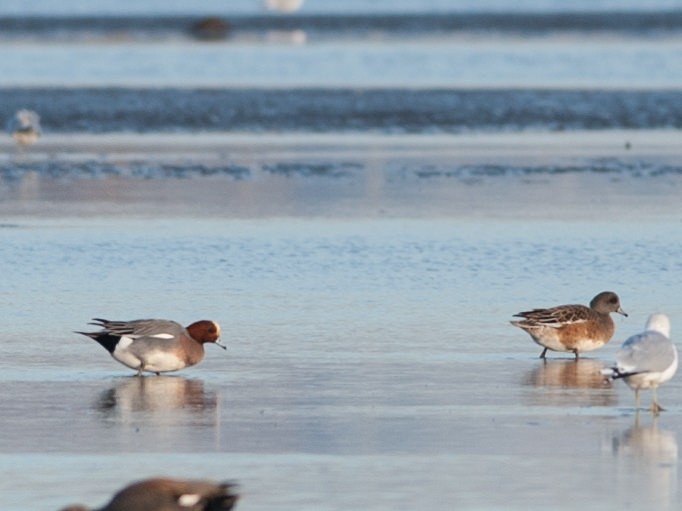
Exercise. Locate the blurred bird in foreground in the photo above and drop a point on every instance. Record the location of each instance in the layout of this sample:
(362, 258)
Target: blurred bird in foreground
(646, 360)
(24, 127)
(171, 495)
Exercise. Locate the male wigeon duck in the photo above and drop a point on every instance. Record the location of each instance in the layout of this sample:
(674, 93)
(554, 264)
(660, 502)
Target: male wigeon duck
(155, 345)
(573, 328)
(646, 360)
(171, 495)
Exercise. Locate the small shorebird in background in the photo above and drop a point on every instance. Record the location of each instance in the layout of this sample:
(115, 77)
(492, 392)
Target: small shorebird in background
(24, 127)
(283, 5)
(297, 36)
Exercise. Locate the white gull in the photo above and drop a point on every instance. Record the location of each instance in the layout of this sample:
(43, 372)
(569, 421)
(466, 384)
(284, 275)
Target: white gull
(647, 360)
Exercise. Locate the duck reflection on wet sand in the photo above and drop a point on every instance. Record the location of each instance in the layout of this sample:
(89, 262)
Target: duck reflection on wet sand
(580, 379)
(654, 453)
(156, 394)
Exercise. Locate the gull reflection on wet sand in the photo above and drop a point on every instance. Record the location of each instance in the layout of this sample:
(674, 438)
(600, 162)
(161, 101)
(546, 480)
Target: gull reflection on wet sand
(579, 378)
(653, 452)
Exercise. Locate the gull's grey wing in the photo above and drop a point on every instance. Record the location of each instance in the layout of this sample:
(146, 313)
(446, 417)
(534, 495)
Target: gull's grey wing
(645, 352)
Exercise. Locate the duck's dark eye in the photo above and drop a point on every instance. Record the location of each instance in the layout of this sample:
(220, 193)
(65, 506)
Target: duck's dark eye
(212, 330)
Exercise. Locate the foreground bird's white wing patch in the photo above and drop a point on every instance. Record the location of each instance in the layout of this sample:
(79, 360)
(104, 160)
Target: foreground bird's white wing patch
(189, 499)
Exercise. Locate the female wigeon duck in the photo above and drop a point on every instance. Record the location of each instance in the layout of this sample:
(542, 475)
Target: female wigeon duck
(573, 328)
(646, 360)
(171, 495)
(155, 345)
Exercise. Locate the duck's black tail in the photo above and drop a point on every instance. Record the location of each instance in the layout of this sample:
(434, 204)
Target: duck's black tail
(107, 340)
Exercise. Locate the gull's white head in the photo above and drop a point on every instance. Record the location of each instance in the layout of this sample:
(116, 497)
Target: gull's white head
(659, 323)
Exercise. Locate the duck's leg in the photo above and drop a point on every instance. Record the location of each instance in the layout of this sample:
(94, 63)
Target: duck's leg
(544, 353)
(637, 399)
(577, 355)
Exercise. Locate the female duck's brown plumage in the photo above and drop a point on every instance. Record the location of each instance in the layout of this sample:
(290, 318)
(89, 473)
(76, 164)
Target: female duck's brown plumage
(573, 328)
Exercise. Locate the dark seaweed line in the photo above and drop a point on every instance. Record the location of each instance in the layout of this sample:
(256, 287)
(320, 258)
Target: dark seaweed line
(520, 22)
(343, 110)
(395, 171)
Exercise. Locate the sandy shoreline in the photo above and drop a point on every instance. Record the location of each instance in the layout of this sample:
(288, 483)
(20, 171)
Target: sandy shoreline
(581, 175)
(535, 145)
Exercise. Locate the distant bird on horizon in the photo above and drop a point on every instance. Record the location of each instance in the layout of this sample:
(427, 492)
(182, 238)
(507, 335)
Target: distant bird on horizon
(210, 29)
(574, 328)
(283, 5)
(171, 495)
(646, 360)
(24, 127)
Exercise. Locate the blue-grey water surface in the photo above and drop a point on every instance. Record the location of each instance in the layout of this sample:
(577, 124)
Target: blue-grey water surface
(362, 194)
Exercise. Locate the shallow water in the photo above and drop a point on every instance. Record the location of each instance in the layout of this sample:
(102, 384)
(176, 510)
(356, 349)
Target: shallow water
(351, 45)
(505, 63)
(363, 225)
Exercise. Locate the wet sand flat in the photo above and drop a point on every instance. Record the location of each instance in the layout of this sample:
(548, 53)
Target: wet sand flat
(529, 145)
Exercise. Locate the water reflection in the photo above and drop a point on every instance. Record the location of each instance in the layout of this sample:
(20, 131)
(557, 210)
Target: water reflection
(156, 394)
(654, 452)
(569, 377)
